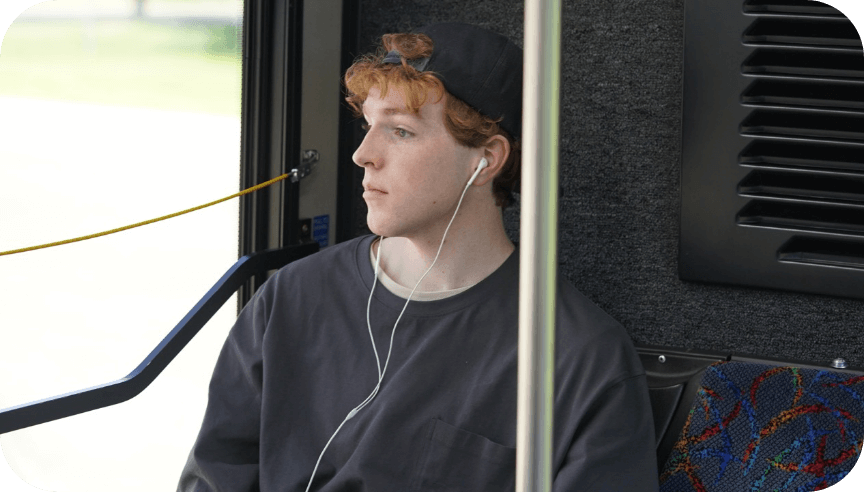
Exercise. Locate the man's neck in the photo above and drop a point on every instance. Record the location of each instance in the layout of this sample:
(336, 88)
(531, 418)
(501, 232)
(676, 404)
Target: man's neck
(471, 252)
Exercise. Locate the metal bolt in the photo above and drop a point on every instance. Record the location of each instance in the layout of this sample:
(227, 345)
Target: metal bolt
(838, 363)
(662, 359)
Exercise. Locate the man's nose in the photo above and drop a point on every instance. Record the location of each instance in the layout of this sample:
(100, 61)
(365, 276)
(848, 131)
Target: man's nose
(365, 154)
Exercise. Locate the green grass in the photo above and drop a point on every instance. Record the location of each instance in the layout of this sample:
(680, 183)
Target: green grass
(124, 62)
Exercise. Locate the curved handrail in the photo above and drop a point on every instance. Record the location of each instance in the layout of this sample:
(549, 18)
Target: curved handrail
(103, 395)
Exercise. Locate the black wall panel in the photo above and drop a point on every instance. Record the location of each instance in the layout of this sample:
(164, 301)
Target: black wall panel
(620, 183)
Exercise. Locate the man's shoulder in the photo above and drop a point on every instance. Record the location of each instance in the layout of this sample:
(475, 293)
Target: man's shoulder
(332, 257)
(575, 309)
(586, 334)
(332, 266)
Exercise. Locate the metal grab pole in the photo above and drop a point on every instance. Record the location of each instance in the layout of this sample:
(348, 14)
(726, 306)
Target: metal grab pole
(538, 259)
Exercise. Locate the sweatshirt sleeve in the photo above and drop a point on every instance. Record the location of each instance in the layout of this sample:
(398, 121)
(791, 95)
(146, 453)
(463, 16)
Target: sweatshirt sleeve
(613, 450)
(225, 455)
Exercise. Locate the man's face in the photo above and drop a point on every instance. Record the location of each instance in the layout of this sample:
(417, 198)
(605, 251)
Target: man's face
(415, 171)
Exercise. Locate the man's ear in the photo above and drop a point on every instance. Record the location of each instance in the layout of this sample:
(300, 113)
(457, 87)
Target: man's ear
(496, 150)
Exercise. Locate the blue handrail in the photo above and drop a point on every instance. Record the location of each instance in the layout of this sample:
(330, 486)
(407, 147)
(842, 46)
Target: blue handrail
(103, 395)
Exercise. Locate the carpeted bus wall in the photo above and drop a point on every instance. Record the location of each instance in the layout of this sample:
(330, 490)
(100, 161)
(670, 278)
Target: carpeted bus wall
(620, 166)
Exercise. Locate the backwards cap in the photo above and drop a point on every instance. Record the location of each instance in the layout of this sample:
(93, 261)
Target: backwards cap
(480, 67)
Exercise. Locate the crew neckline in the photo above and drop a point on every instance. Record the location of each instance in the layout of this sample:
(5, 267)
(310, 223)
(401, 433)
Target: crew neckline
(506, 274)
(404, 292)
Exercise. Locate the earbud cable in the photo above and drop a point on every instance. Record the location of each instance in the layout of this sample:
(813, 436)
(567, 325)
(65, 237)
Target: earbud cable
(381, 372)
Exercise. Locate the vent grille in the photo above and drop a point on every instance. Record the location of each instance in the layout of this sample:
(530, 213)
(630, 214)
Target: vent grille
(789, 7)
(829, 253)
(806, 32)
(804, 94)
(825, 188)
(805, 63)
(803, 217)
(813, 158)
(804, 124)
(772, 183)
(807, 130)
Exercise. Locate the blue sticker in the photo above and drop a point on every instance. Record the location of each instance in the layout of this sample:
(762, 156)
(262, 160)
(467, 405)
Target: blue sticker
(321, 229)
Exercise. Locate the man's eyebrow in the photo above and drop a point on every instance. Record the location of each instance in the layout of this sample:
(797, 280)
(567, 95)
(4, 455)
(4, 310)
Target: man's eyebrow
(389, 111)
(397, 110)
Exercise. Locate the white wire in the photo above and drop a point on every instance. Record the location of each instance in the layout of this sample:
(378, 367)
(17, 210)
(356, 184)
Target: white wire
(377, 363)
(369, 305)
(381, 372)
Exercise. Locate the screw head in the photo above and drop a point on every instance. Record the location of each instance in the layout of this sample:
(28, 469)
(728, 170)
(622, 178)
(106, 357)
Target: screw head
(662, 359)
(838, 363)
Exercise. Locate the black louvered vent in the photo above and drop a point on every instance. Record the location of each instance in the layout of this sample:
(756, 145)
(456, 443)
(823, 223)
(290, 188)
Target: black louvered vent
(792, 147)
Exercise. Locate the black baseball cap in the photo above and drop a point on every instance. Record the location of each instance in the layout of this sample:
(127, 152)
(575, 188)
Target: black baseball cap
(478, 66)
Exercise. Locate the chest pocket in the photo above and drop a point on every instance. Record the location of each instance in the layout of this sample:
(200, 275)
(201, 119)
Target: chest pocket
(458, 460)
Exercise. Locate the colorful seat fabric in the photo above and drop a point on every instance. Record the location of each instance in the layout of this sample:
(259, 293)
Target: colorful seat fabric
(755, 427)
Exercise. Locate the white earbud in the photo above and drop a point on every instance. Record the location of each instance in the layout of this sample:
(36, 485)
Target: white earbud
(382, 370)
(483, 164)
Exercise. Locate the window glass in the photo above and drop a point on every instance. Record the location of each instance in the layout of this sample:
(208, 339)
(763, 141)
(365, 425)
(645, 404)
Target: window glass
(113, 112)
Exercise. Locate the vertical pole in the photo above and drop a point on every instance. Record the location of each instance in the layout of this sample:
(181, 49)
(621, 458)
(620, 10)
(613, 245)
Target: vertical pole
(538, 259)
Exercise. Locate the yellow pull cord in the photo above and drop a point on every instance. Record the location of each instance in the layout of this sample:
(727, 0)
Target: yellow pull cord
(151, 221)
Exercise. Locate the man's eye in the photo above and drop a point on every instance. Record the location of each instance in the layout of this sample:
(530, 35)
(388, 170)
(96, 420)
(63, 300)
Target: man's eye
(365, 127)
(402, 133)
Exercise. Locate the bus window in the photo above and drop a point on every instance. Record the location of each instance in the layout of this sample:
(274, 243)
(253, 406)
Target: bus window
(114, 112)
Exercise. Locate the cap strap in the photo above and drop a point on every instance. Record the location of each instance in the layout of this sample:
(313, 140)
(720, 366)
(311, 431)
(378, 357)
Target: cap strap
(418, 64)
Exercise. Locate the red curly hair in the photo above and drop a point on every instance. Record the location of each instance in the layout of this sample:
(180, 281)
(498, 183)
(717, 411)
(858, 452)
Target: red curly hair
(467, 125)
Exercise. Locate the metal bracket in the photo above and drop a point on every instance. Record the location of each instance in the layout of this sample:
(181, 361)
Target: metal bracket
(310, 157)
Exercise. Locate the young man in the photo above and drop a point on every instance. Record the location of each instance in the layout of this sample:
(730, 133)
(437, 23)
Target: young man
(388, 363)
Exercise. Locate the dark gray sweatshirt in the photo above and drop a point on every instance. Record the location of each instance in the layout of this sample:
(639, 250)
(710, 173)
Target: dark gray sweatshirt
(300, 358)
